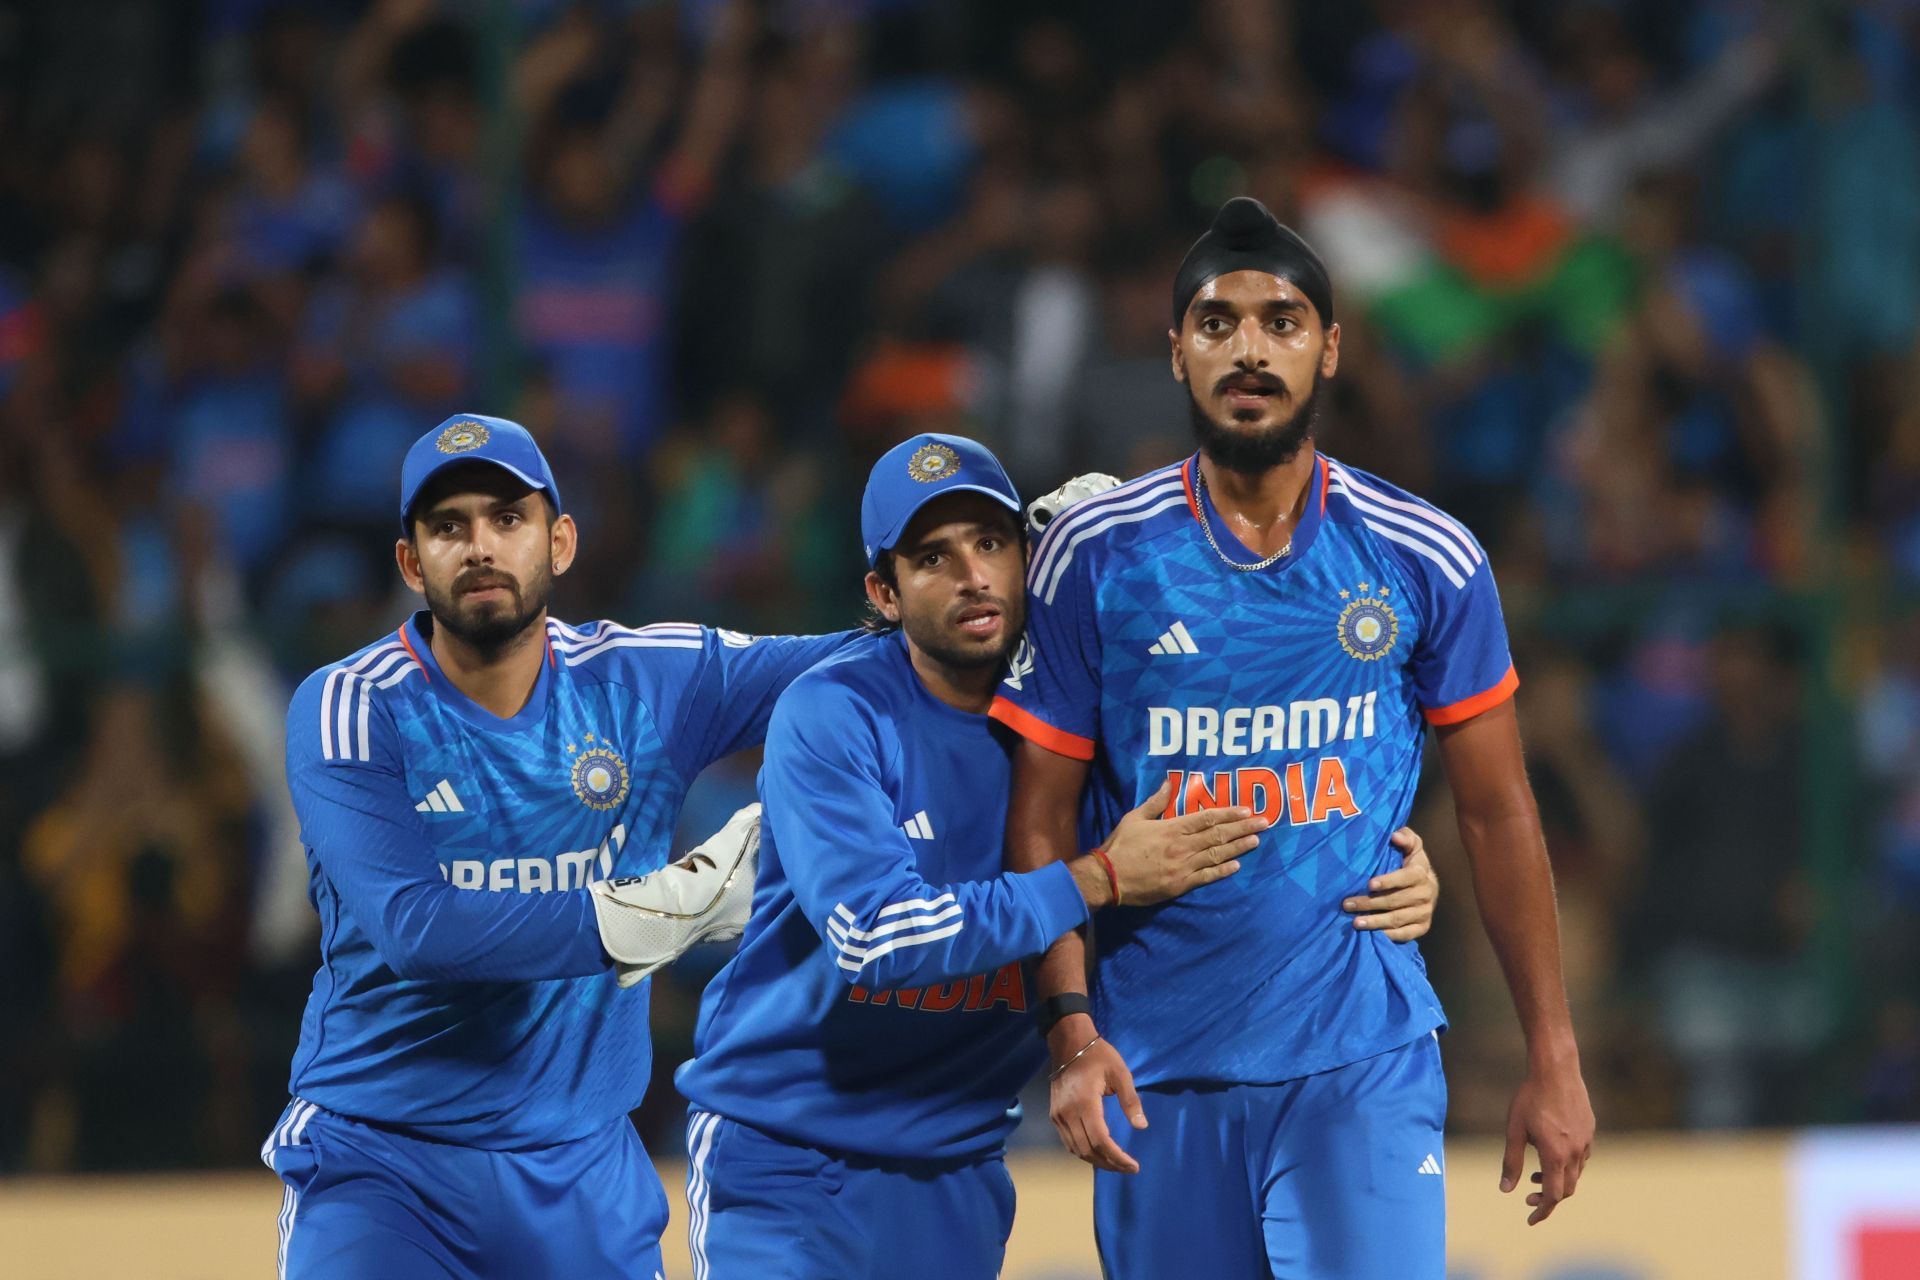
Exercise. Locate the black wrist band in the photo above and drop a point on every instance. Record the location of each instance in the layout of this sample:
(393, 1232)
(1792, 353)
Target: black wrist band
(1054, 1008)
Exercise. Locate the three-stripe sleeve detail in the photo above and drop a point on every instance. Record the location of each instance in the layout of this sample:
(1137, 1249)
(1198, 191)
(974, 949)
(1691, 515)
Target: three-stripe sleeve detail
(1424, 530)
(346, 700)
(575, 647)
(912, 923)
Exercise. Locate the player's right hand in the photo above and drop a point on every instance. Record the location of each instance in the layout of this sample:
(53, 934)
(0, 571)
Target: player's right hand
(647, 922)
(1155, 858)
(1077, 1107)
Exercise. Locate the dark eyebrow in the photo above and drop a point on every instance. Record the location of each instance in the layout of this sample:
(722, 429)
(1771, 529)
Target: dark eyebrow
(925, 546)
(1275, 306)
(448, 511)
(979, 529)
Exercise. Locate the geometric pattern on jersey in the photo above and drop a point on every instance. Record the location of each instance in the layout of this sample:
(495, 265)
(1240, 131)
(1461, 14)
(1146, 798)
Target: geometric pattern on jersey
(584, 783)
(1303, 698)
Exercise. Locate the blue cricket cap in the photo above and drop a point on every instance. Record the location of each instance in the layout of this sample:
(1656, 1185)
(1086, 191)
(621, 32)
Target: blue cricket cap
(473, 437)
(915, 472)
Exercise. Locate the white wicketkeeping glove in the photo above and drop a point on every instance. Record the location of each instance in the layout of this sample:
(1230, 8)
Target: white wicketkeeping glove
(1041, 512)
(651, 920)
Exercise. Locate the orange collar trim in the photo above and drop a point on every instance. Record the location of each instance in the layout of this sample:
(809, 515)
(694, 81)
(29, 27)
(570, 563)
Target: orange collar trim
(424, 673)
(1193, 499)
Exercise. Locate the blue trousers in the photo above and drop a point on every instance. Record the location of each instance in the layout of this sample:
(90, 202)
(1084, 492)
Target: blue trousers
(763, 1209)
(1336, 1176)
(366, 1203)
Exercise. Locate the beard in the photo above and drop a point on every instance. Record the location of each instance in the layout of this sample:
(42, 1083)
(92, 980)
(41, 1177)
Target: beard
(490, 626)
(934, 636)
(1251, 452)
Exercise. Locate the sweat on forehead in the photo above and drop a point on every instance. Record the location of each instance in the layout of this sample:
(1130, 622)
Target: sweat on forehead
(1245, 236)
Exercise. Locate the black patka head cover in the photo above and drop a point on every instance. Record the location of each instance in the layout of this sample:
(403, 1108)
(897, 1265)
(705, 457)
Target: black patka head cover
(1245, 236)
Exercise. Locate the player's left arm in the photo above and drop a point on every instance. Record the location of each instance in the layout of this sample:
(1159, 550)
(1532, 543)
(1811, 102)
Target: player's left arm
(1463, 676)
(1513, 882)
(719, 698)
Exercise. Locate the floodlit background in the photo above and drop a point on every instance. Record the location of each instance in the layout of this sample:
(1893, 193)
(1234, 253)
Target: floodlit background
(1632, 287)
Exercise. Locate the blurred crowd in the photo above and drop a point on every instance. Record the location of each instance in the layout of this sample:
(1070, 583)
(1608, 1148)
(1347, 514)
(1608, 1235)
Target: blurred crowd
(1632, 287)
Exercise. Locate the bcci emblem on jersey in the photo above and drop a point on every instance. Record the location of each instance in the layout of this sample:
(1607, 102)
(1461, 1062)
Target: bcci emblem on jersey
(462, 437)
(1368, 626)
(932, 462)
(599, 775)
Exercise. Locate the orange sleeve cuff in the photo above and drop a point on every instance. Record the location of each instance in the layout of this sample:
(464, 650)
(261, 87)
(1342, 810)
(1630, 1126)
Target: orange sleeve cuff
(1468, 708)
(1034, 729)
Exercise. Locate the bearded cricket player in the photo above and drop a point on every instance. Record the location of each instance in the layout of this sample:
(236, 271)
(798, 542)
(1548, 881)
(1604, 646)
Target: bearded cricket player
(858, 1063)
(1262, 626)
(479, 794)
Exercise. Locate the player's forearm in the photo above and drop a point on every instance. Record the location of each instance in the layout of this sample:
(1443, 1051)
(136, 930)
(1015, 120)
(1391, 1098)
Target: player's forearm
(1063, 970)
(437, 933)
(1512, 879)
(1513, 883)
(921, 934)
(1063, 967)
(1041, 829)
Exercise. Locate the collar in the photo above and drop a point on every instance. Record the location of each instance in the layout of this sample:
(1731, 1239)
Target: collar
(1312, 515)
(415, 634)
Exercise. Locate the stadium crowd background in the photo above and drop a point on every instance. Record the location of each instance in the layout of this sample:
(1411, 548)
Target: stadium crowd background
(1630, 286)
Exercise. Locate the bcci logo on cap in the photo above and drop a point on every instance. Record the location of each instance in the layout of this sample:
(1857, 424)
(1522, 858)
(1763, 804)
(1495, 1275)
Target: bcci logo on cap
(932, 462)
(1368, 626)
(462, 437)
(599, 774)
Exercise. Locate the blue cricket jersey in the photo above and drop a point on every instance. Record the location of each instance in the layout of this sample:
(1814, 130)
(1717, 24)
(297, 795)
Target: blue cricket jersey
(876, 1005)
(1300, 691)
(462, 993)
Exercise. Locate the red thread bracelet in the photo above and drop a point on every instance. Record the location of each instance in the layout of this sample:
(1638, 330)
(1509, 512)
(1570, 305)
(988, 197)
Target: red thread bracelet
(1113, 881)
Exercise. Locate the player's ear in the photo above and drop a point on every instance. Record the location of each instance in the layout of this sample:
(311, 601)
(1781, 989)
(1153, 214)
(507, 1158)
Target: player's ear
(884, 598)
(566, 541)
(1330, 352)
(1179, 359)
(407, 556)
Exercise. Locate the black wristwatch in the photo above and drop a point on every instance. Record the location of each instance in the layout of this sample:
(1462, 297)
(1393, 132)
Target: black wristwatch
(1054, 1008)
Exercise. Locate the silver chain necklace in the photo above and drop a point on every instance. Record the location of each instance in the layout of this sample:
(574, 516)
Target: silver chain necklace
(1200, 483)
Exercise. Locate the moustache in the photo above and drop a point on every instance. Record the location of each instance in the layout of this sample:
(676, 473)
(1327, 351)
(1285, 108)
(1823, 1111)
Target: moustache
(984, 602)
(1254, 381)
(479, 580)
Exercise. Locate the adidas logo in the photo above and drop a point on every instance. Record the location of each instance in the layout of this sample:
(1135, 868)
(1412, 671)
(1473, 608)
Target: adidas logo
(441, 800)
(918, 828)
(1174, 641)
(1430, 1165)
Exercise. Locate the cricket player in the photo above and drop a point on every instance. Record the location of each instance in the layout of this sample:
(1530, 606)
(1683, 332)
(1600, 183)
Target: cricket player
(1262, 626)
(858, 1061)
(476, 793)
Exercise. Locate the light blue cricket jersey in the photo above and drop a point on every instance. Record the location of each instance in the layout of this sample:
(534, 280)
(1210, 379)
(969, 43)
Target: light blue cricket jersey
(462, 993)
(876, 1005)
(1302, 691)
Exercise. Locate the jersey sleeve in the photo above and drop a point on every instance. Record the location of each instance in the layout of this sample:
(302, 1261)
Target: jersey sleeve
(1051, 694)
(355, 815)
(716, 689)
(1461, 664)
(854, 874)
